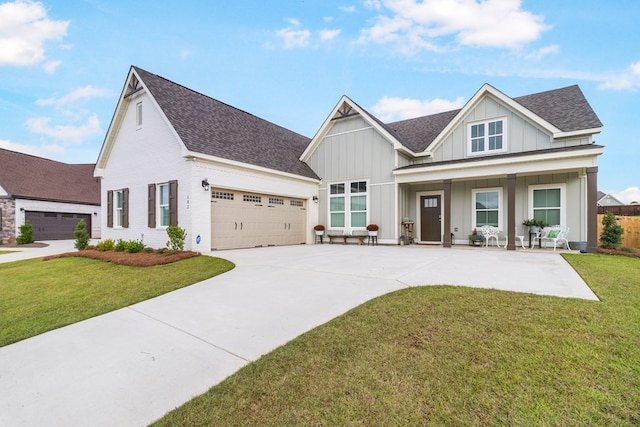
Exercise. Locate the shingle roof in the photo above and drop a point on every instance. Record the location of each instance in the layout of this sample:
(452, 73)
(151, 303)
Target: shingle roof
(565, 108)
(30, 177)
(211, 127)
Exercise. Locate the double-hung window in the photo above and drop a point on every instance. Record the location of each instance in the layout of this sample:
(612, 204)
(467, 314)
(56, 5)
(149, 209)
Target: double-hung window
(348, 205)
(119, 208)
(163, 204)
(547, 204)
(487, 137)
(139, 115)
(487, 207)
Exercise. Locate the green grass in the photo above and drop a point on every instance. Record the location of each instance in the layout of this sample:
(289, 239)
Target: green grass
(38, 296)
(5, 252)
(451, 356)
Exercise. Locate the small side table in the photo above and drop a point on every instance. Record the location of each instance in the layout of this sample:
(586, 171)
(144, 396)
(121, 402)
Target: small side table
(531, 240)
(373, 240)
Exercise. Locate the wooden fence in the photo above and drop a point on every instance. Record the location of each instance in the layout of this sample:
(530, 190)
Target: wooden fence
(631, 225)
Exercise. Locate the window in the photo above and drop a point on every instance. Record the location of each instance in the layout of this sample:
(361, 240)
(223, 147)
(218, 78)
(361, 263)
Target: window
(118, 205)
(547, 204)
(276, 201)
(487, 207)
(297, 203)
(348, 205)
(221, 195)
(251, 198)
(118, 208)
(139, 115)
(162, 204)
(487, 137)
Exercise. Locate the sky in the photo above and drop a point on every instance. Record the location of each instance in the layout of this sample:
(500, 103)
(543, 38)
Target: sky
(63, 63)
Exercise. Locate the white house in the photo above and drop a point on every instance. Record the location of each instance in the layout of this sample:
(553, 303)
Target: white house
(175, 156)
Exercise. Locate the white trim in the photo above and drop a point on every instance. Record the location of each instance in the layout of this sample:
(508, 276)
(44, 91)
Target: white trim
(139, 115)
(159, 206)
(563, 200)
(346, 132)
(417, 231)
(475, 191)
(117, 218)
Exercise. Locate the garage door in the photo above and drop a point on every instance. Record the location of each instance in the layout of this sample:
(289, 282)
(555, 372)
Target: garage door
(247, 220)
(55, 225)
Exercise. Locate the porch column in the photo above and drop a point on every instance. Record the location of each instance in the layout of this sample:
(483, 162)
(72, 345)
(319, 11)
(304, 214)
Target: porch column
(592, 210)
(447, 214)
(511, 211)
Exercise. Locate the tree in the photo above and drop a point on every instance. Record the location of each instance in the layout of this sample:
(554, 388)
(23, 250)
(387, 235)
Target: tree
(611, 236)
(82, 235)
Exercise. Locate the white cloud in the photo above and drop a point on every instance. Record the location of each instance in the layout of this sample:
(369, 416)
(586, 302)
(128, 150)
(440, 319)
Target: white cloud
(348, 9)
(631, 194)
(390, 109)
(46, 150)
(81, 93)
(329, 34)
(68, 134)
(24, 29)
(543, 51)
(294, 36)
(627, 80)
(372, 4)
(50, 67)
(418, 25)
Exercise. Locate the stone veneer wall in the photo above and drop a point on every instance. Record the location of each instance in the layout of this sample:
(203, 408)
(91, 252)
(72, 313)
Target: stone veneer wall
(7, 220)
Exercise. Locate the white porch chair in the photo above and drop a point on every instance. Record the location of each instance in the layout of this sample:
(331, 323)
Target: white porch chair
(555, 234)
(489, 232)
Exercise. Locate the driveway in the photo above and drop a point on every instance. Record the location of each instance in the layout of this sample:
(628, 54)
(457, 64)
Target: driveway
(131, 366)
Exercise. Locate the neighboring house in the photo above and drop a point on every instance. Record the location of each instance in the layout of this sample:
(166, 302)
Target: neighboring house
(497, 161)
(50, 195)
(608, 200)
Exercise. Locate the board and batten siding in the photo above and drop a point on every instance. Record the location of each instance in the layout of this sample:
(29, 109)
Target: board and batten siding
(521, 135)
(353, 150)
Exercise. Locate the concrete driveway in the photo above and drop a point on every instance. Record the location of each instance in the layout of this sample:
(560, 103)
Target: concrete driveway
(131, 366)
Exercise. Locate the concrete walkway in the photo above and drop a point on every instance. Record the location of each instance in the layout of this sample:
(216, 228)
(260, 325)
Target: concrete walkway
(131, 366)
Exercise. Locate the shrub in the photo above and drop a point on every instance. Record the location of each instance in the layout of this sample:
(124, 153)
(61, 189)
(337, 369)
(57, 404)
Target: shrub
(133, 246)
(177, 236)
(26, 234)
(106, 245)
(82, 235)
(120, 245)
(611, 236)
(319, 227)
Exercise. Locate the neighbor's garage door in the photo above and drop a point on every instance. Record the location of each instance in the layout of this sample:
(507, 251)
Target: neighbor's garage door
(55, 225)
(246, 220)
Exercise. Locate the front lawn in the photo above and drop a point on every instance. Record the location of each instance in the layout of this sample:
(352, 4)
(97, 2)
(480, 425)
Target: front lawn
(38, 296)
(451, 356)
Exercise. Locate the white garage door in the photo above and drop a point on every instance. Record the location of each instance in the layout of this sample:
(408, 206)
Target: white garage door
(246, 220)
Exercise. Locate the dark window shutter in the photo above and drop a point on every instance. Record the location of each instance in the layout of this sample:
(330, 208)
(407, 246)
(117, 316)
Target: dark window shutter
(110, 208)
(0, 219)
(173, 203)
(151, 206)
(125, 208)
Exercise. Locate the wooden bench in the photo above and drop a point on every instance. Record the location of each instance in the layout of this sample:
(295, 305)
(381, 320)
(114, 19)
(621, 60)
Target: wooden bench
(341, 236)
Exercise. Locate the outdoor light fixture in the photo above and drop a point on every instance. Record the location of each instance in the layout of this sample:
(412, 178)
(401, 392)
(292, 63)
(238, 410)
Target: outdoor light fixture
(315, 199)
(205, 184)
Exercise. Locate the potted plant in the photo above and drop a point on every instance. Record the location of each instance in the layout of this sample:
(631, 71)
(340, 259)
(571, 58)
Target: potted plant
(474, 238)
(373, 229)
(534, 225)
(319, 229)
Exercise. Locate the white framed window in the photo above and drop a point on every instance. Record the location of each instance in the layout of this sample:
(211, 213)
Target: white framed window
(118, 208)
(547, 202)
(348, 205)
(487, 137)
(139, 115)
(163, 204)
(487, 207)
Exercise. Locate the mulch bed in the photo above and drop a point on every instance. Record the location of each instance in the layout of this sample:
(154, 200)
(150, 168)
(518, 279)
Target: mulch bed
(630, 253)
(140, 259)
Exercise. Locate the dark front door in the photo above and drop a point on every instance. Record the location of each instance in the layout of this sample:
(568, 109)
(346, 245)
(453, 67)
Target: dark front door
(430, 219)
